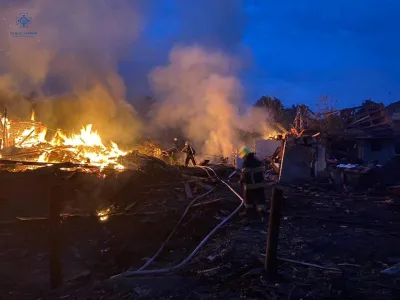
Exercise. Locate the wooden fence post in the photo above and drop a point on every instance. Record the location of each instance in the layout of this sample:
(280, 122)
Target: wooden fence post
(271, 258)
(55, 237)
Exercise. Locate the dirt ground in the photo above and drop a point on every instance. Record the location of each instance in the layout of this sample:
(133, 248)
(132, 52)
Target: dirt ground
(358, 234)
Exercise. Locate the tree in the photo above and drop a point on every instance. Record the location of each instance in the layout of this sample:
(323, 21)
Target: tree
(370, 103)
(328, 119)
(325, 104)
(273, 105)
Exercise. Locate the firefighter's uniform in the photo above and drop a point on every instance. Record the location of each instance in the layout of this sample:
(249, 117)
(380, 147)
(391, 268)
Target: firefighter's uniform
(190, 153)
(175, 152)
(252, 180)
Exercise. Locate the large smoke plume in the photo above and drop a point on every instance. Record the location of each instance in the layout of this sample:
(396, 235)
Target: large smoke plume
(74, 58)
(68, 72)
(199, 94)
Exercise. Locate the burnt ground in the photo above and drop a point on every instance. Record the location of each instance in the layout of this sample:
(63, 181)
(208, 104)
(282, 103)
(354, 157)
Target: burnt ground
(355, 233)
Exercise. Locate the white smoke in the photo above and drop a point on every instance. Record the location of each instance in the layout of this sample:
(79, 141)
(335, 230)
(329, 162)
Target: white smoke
(199, 93)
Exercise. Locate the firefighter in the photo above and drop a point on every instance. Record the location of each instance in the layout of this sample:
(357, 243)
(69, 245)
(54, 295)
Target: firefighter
(252, 180)
(190, 153)
(175, 151)
(176, 143)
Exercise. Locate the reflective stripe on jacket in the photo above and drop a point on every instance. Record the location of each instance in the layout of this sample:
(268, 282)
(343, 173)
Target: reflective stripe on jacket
(253, 186)
(252, 173)
(247, 170)
(252, 178)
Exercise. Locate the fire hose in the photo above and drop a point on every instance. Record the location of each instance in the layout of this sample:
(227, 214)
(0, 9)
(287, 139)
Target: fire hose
(142, 271)
(150, 261)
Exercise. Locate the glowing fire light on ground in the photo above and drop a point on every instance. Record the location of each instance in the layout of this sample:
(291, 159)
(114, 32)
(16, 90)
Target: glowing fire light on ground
(103, 215)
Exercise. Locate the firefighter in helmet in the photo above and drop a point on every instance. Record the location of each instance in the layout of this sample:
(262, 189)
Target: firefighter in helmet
(175, 151)
(190, 153)
(252, 180)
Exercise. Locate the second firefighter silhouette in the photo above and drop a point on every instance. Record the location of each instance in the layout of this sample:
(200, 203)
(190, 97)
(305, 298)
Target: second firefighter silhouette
(176, 144)
(252, 180)
(190, 154)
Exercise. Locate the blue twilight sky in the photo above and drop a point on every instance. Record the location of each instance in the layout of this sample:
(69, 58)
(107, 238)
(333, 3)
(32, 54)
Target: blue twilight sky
(300, 50)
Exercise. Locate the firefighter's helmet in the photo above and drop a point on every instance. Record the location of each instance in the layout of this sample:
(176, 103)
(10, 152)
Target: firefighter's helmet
(244, 151)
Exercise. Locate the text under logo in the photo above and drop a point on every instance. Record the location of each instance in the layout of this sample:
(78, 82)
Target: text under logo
(23, 21)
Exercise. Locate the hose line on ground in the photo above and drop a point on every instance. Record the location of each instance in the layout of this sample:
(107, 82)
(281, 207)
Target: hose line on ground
(173, 231)
(141, 271)
(151, 260)
(209, 168)
(208, 174)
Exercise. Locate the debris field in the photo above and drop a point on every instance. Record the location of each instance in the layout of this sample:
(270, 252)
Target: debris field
(333, 244)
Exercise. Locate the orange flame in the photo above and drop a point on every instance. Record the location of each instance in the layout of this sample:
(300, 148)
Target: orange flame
(85, 147)
(103, 215)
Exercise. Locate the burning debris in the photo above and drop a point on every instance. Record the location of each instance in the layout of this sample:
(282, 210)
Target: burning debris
(104, 214)
(34, 141)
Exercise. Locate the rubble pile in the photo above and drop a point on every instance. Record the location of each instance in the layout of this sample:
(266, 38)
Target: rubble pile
(389, 174)
(85, 189)
(112, 219)
(337, 248)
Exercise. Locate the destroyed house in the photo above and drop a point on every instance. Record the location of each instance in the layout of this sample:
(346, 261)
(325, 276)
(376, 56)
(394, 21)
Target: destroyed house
(359, 148)
(393, 111)
(370, 135)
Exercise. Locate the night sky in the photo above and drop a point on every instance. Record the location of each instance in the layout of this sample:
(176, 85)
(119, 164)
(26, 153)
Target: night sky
(349, 50)
(294, 50)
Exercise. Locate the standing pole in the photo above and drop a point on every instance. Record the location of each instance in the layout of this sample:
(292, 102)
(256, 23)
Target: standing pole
(271, 258)
(5, 135)
(55, 237)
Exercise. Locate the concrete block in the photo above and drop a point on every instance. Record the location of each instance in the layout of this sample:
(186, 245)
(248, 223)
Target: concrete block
(296, 163)
(320, 164)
